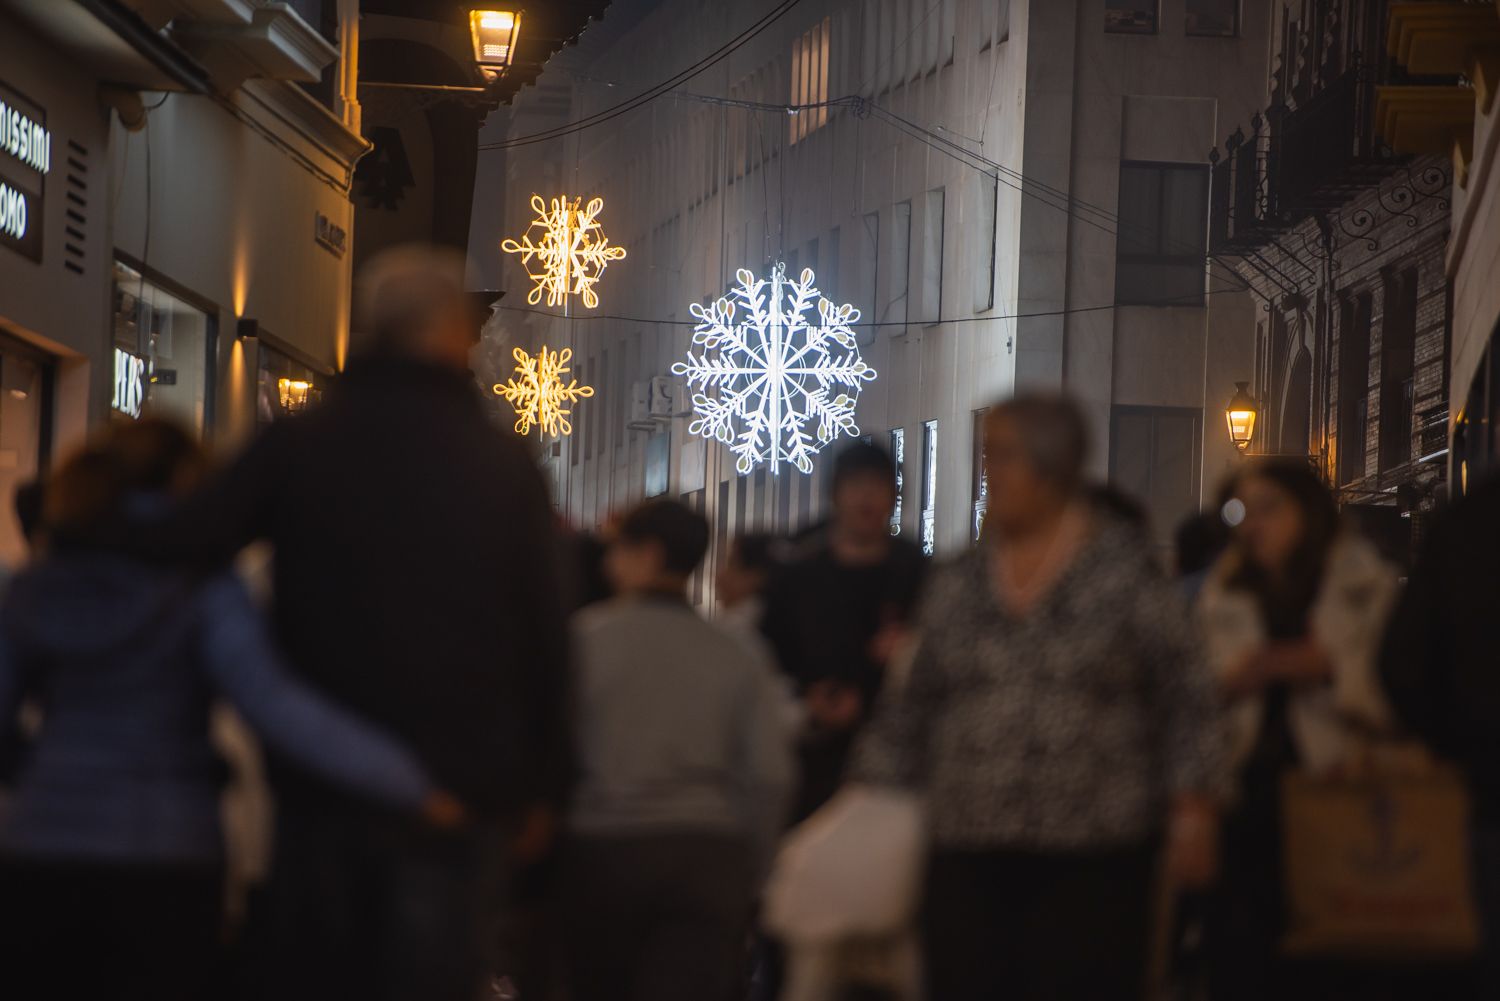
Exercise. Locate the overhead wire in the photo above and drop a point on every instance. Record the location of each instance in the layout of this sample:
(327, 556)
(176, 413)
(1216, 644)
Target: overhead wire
(653, 92)
(863, 324)
(1096, 216)
(1064, 201)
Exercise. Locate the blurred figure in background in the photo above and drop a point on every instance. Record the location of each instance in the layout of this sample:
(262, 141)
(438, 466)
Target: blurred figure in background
(1292, 616)
(741, 581)
(584, 581)
(111, 853)
(1439, 666)
(1058, 722)
(836, 613)
(1197, 545)
(28, 510)
(416, 581)
(28, 505)
(1110, 502)
(685, 771)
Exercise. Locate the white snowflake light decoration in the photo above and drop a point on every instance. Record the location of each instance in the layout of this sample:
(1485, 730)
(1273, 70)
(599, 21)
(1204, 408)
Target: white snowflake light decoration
(770, 384)
(570, 254)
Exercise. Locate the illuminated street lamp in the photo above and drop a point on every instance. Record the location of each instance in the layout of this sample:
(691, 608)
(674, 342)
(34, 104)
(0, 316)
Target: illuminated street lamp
(1240, 416)
(494, 33)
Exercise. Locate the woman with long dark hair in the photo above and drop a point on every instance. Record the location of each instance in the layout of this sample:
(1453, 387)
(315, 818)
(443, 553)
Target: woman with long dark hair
(1292, 618)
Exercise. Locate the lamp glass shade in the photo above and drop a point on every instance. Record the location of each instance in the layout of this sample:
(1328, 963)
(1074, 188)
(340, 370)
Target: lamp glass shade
(494, 33)
(1240, 416)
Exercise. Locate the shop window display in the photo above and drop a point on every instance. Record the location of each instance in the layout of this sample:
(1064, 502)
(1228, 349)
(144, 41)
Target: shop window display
(165, 343)
(284, 387)
(21, 435)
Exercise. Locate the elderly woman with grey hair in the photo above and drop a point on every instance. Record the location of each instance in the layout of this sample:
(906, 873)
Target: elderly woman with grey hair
(1057, 721)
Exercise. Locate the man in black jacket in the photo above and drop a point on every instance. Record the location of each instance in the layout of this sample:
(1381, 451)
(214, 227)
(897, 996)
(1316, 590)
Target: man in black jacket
(1441, 668)
(415, 582)
(835, 613)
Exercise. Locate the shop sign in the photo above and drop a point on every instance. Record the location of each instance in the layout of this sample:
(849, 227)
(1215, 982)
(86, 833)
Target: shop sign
(331, 236)
(130, 383)
(25, 161)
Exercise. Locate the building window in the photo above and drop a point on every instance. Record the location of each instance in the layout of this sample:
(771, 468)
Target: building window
(1354, 388)
(658, 463)
(994, 23)
(722, 529)
(869, 271)
(1154, 455)
(1397, 363)
(981, 477)
(898, 458)
(172, 341)
(929, 487)
(1218, 18)
(694, 501)
(832, 266)
(1162, 242)
(27, 378)
(986, 195)
(1131, 17)
(810, 79)
(897, 295)
(580, 427)
(1296, 412)
(783, 504)
(283, 386)
(932, 257)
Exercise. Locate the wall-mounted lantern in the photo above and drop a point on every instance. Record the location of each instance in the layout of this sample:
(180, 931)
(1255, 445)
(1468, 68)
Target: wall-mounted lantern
(1240, 415)
(495, 33)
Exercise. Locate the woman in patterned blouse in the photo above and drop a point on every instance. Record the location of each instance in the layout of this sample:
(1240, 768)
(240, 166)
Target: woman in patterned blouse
(1057, 721)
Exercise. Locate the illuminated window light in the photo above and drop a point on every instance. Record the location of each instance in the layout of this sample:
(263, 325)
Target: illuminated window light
(293, 393)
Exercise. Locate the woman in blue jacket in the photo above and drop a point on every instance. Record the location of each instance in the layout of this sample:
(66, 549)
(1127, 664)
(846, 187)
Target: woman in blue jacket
(111, 852)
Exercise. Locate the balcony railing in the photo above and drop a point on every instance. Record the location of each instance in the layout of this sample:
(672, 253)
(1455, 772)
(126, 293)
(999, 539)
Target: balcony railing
(1294, 162)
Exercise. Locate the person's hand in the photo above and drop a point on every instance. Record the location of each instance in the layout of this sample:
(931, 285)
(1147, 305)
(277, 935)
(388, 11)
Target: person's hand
(1246, 677)
(890, 638)
(833, 705)
(534, 838)
(443, 811)
(1300, 662)
(1193, 844)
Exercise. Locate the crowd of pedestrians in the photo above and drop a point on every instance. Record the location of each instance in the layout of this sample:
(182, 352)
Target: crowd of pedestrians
(508, 758)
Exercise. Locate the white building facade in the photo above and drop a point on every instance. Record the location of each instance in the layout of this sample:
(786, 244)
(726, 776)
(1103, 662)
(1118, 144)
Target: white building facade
(1014, 193)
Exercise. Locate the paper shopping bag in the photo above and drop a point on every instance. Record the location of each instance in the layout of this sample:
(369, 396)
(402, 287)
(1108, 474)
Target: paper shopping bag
(1378, 867)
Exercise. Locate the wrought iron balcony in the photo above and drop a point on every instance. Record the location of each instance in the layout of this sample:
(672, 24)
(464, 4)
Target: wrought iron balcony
(1295, 162)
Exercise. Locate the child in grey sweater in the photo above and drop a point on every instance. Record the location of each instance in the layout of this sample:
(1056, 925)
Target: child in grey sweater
(685, 773)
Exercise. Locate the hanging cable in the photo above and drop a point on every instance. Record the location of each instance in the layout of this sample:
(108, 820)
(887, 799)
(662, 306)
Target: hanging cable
(863, 324)
(653, 92)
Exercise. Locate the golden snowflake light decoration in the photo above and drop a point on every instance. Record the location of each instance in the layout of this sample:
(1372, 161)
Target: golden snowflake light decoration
(570, 253)
(538, 393)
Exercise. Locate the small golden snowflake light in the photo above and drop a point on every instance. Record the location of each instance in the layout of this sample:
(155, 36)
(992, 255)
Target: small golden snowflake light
(570, 254)
(538, 393)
